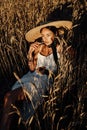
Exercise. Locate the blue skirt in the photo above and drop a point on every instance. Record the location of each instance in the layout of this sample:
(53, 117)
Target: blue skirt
(36, 84)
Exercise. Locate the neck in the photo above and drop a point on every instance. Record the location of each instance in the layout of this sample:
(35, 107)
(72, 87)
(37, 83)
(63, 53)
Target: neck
(46, 50)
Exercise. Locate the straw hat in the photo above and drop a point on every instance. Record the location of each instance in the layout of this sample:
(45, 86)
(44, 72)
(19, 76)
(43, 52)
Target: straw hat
(34, 33)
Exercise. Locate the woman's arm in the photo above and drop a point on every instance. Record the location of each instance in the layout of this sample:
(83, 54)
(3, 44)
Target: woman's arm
(32, 55)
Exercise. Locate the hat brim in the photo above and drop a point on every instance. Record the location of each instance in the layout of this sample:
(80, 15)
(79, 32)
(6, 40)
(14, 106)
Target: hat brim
(34, 33)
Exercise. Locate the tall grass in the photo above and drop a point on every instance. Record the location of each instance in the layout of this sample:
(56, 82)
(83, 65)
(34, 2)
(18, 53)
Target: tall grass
(65, 106)
(16, 18)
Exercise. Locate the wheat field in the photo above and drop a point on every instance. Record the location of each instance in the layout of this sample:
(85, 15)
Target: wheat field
(64, 108)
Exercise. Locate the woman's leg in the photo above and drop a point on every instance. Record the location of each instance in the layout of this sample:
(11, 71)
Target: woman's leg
(9, 100)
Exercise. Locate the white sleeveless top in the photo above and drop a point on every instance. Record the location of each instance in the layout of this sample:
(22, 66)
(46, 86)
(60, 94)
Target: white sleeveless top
(47, 61)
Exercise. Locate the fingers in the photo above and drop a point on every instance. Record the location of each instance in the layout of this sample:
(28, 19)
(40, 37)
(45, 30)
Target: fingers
(34, 47)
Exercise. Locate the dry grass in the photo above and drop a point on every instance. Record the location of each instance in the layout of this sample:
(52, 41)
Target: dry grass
(65, 106)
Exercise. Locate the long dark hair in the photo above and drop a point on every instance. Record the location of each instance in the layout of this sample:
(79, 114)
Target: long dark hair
(54, 44)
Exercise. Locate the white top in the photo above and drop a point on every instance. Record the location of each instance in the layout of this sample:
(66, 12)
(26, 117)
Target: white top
(47, 61)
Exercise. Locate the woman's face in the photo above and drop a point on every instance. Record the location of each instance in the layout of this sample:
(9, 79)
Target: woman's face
(47, 36)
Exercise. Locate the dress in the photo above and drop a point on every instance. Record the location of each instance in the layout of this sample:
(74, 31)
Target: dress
(36, 85)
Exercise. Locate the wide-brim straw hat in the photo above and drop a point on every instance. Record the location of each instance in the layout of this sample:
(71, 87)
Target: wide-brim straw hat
(34, 33)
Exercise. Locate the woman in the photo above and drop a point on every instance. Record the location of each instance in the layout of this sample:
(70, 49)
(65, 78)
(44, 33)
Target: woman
(43, 61)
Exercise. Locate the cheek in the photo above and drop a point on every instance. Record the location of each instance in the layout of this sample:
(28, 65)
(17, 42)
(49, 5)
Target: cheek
(51, 39)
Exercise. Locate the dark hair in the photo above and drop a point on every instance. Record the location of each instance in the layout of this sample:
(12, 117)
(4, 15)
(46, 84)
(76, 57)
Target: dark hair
(54, 44)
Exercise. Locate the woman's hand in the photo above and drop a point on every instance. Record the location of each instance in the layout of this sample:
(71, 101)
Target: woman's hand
(34, 47)
(43, 70)
(32, 55)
